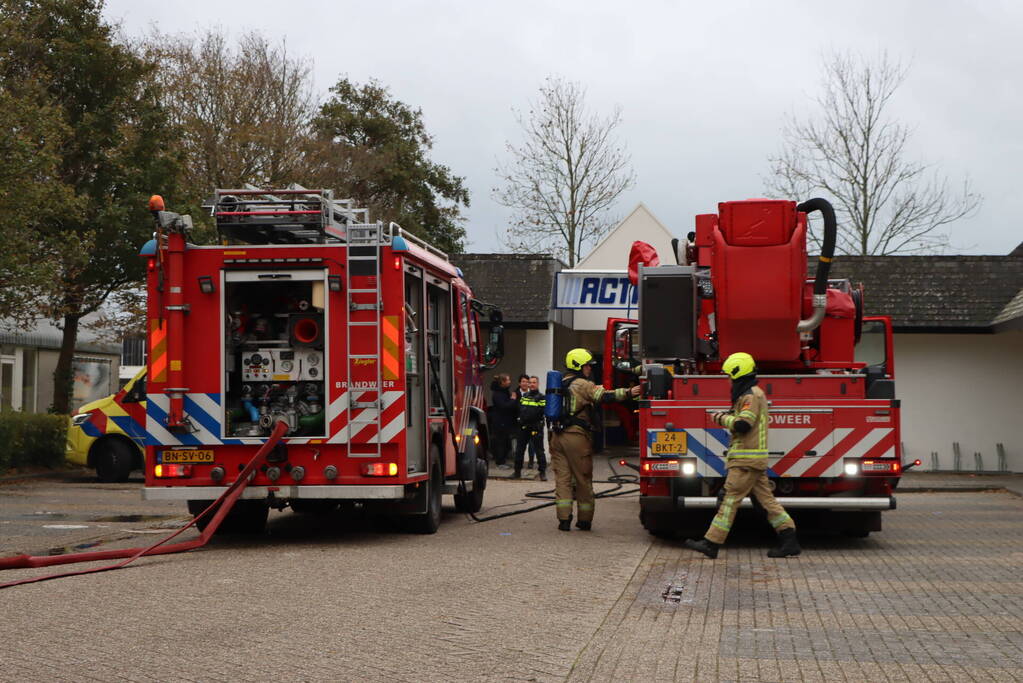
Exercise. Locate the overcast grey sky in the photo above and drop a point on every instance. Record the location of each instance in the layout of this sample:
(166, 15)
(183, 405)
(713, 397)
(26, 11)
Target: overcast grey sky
(704, 88)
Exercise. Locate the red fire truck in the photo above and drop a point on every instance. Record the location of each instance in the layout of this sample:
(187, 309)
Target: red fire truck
(740, 284)
(362, 338)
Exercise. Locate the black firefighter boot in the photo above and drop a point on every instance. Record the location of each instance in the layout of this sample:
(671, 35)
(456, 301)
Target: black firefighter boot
(788, 544)
(708, 548)
(565, 524)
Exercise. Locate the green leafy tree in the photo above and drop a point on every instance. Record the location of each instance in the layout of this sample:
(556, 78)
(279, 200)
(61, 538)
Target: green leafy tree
(243, 111)
(374, 149)
(113, 147)
(30, 196)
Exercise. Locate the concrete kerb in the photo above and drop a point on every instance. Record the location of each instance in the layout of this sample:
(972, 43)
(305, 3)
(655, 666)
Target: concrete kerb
(36, 475)
(953, 482)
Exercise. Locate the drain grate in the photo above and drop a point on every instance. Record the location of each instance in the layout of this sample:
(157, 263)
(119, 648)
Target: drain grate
(674, 591)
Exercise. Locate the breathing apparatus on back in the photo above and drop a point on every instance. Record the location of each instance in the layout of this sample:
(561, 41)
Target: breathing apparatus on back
(556, 412)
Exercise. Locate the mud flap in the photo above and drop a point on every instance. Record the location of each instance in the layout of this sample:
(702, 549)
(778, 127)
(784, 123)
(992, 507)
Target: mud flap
(416, 500)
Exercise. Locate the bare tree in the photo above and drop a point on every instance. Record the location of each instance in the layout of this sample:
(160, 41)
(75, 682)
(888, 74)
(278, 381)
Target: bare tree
(243, 111)
(565, 176)
(856, 153)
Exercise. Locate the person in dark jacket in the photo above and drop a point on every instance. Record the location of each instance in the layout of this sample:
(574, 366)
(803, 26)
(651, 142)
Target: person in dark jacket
(501, 419)
(530, 435)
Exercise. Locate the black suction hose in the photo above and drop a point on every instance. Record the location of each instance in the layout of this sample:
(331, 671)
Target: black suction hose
(820, 283)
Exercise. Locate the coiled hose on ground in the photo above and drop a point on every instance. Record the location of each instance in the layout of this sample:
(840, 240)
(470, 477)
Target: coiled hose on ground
(225, 502)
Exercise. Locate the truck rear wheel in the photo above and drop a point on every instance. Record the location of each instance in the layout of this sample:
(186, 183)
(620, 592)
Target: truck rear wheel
(305, 506)
(659, 525)
(429, 521)
(856, 533)
(246, 517)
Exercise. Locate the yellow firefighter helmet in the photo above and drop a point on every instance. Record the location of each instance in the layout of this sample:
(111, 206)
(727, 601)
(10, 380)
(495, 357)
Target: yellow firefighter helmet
(577, 358)
(739, 365)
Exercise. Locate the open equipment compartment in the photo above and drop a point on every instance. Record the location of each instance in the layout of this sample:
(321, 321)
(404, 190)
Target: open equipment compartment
(274, 361)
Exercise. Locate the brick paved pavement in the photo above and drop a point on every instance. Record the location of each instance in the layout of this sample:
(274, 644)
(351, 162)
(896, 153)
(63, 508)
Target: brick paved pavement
(938, 595)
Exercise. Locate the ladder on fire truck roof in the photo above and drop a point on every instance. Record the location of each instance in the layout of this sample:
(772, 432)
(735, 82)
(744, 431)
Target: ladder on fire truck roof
(297, 215)
(364, 250)
(294, 215)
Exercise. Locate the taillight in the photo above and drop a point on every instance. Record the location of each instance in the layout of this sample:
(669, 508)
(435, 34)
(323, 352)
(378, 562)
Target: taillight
(380, 469)
(168, 471)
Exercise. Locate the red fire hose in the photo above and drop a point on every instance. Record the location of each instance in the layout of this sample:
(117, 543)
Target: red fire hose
(226, 502)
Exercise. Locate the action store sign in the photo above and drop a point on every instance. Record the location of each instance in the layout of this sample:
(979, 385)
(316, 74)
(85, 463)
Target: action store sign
(595, 290)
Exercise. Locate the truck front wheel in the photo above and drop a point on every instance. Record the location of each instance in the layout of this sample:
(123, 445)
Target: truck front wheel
(114, 459)
(472, 501)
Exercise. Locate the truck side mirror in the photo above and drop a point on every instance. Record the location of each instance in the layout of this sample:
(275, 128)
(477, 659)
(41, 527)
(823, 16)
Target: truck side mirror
(495, 346)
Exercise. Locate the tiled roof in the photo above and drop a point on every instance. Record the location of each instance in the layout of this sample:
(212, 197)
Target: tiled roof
(519, 284)
(947, 292)
(969, 293)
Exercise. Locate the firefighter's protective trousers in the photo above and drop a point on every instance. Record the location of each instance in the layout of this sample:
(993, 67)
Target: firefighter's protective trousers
(747, 466)
(741, 482)
(572, 458)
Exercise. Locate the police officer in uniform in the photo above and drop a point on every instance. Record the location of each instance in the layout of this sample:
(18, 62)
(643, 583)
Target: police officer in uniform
(572, 449)
(747, 422)
(531, 406)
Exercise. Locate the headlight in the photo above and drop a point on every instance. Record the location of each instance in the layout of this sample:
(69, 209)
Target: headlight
(80, 419)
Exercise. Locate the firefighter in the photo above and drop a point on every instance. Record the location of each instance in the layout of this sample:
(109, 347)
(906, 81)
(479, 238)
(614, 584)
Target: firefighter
(572, 448)
(747, 422)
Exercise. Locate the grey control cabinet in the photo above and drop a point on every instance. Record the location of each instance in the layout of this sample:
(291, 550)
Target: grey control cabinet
(667, 312)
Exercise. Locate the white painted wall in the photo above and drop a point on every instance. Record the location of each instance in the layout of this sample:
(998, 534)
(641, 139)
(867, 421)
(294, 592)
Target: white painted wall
(613, 251)
(596, 320)
(540, 353)
(961, 387)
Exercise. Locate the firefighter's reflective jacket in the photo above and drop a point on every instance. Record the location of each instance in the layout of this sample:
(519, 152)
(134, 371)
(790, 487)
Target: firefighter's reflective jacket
(748, 447)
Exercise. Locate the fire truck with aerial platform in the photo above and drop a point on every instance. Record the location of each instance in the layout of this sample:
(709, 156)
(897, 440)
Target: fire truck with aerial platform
(740, 284)
(363, 339)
